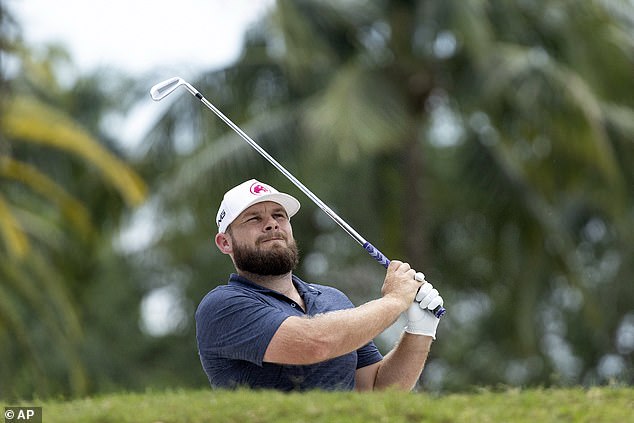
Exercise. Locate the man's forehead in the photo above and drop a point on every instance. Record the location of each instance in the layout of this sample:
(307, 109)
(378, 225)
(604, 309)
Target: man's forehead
(262, 207)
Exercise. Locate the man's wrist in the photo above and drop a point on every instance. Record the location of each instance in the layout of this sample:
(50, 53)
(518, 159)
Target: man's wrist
(423, 341)
(420, 333)
(396, 302)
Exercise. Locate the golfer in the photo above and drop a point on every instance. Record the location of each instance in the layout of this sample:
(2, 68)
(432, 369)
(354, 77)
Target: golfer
(266, 328)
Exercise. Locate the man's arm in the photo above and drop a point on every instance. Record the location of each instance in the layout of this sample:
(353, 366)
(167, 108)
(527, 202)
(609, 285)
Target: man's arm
(301, 340)
(400, 368)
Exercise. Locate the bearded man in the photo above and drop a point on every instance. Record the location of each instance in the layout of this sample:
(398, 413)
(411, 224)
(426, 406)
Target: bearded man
(268, 329)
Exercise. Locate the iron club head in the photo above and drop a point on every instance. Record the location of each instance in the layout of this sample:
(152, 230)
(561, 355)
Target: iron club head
(165, 88)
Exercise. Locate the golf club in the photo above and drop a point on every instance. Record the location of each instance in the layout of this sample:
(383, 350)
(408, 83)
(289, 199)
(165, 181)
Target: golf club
(165, 88)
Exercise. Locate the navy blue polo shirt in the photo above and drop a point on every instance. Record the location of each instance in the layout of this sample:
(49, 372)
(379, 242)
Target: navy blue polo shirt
(236, 322)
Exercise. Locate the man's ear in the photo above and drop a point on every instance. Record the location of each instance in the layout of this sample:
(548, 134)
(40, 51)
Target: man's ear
(223, 242)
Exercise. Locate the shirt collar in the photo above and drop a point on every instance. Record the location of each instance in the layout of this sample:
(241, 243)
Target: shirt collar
(303, 288)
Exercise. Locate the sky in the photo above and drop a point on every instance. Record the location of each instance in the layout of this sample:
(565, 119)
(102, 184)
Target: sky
(140, 35)
(164, 38)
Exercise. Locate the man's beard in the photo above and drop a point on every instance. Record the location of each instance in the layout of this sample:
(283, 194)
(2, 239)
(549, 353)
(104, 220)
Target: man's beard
(266, 262)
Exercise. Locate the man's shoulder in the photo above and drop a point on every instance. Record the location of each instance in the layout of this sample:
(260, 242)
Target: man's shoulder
(224, 294)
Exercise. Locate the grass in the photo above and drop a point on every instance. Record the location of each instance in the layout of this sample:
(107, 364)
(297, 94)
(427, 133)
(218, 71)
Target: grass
(244, 406)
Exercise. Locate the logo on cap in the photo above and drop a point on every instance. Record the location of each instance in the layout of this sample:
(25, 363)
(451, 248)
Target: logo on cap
(258, 189)
(222, 216)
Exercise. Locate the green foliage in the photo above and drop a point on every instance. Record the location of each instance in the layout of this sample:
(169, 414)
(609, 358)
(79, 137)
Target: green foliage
(57, 216)
(487, 143)
(480, 141)
(570, 405)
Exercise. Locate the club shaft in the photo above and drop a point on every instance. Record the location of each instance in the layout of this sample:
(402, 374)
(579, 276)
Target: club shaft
(373, 251)
(345, 226)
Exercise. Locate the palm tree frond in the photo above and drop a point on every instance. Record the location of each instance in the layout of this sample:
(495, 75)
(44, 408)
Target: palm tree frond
(528, 79)
(52, 308)
(620, 118)
(12, 234)
(358, 114)
(39, 182)
(32, 121)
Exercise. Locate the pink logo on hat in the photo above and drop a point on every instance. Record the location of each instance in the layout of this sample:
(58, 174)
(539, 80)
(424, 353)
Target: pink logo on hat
(258, 189)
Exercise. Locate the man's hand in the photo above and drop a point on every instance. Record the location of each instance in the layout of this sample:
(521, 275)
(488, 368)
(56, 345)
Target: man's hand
(400, 283)
(419, 319)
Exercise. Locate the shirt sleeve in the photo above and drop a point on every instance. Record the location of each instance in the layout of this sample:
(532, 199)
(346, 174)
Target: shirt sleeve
(234, 325)
(368, 354)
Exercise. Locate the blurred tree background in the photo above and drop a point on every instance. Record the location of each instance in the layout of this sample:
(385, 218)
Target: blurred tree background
(488, 143)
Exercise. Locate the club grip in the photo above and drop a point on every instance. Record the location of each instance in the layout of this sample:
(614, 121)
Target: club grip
(439, 311)
(376, 254)
(380, 257)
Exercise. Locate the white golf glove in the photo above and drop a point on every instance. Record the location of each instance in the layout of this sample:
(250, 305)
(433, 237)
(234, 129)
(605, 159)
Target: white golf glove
(419, 319)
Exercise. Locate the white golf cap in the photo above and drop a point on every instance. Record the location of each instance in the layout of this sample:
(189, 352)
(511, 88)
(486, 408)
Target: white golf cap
(248, 193)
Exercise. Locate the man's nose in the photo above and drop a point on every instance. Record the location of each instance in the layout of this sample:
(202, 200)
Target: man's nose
(271, 224)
